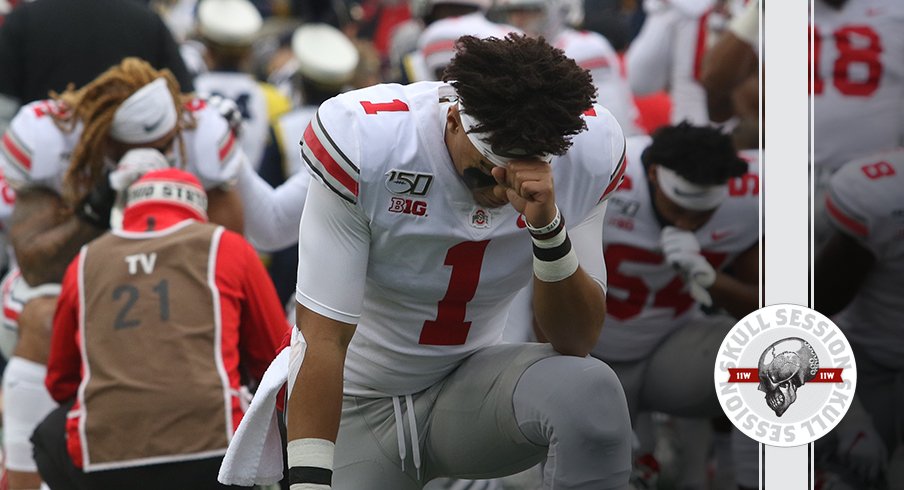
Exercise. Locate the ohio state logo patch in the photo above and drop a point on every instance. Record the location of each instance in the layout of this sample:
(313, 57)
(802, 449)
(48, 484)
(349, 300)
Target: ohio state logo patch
(785, 375)
(480, 218)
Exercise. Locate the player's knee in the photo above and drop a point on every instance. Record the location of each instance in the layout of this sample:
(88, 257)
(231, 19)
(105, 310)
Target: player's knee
(589, 400)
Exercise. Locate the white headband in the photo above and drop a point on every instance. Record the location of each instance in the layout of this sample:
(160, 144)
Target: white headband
(147, 115)
(468, 123)
(687, 194)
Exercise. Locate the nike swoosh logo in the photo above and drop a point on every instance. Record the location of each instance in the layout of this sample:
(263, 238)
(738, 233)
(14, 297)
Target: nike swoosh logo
(718, 235)
(150, 127)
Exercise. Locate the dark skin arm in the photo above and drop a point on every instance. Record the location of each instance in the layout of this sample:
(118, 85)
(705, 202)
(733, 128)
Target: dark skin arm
(738, 292)
(570, 312)
(46, 235)
(315, 410)
(840, 269)
(560, 307)
(726, 66)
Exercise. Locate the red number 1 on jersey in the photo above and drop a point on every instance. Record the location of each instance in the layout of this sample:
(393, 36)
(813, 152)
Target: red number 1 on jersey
(450, 327)
(374, 107)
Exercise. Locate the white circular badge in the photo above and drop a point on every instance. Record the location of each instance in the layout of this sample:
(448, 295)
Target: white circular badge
(785, 375)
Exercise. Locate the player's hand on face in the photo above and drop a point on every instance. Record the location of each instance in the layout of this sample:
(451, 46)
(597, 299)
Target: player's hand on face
(528, 186)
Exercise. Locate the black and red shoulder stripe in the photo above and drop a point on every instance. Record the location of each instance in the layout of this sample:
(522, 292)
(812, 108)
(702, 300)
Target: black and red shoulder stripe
(328, 161)
(617, 176)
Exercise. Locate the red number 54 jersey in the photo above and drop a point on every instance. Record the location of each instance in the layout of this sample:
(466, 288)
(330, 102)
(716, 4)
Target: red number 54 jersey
(646, 299)
(858, 87)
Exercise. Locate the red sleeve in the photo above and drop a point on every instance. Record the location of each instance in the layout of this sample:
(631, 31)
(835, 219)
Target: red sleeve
(64, 364)
(263, 321)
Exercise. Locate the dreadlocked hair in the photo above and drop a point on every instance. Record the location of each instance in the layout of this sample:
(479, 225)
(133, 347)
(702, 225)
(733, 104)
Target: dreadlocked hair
(701, 154)
(94, 106)
(524, 93)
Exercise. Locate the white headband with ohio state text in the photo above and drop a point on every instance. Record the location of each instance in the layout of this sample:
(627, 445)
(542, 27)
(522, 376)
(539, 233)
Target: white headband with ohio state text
(186, 195)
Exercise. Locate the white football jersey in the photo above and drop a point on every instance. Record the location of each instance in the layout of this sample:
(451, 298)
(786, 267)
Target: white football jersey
(289, 130)
(866, 202)
(442, 270)
(35, 151)
(248, 95)
(647, 299)
(667, 54)
(436, 44)
(593, 52)
(859, 79)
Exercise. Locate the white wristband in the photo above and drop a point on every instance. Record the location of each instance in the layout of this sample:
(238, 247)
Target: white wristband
(310, 464)
(553, 242)
(556, 270)
(548, 228)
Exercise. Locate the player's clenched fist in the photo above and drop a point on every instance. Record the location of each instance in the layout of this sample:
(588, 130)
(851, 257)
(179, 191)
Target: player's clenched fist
(528, 186)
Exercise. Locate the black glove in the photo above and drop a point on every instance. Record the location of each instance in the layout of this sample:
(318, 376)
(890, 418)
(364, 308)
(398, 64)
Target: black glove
(96, 207)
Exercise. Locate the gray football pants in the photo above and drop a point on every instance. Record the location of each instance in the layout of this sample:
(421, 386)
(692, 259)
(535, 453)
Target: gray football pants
(502, 411)
(677, 378)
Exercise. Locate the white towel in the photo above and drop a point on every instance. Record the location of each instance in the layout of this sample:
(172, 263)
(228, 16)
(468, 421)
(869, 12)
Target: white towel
(254, 455)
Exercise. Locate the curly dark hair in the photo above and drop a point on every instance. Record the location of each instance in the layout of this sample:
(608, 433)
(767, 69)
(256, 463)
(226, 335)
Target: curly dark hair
(526, 94)
(702, 155)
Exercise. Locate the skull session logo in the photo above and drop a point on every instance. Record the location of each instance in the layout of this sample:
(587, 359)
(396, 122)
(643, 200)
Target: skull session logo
(785, 375)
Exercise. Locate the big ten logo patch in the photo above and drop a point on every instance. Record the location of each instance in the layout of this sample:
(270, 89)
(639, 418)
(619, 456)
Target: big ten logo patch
(408, 206)
(622, 212)
(785, 375)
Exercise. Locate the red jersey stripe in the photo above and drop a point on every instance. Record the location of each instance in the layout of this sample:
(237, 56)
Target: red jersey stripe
(700, 49)
(849, 223)
(439, 46)
(616, 179)
(17, 152)
(594, 63)
(327, 162)
(226, 147)
(11, 314)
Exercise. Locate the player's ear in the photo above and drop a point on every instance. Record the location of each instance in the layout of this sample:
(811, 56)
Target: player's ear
(651, 172)
(453, 120)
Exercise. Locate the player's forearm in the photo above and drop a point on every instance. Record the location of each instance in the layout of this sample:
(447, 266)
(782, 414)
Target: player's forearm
(282, 207)
(647, 60)
(315, 404)
(736, 297)
(570, 312)
(726, 65)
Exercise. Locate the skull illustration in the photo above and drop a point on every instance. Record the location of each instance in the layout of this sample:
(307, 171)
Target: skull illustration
(784, 367)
